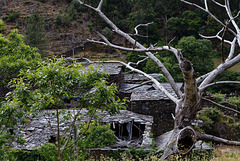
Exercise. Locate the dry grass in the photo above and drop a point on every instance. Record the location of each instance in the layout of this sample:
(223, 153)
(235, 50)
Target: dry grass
(226, 153)
(235, 68)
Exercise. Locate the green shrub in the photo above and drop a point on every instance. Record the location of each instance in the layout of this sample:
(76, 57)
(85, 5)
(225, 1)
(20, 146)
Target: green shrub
(12, 16)
(213, 114)
(108, 33)
(234, 100)
(100, 136)
(48, 152)
(25, 155)
(58, 20)
(220, 98)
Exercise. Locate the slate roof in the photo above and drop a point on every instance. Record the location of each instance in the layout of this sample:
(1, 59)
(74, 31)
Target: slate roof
(146, 95)
(124, 86)
(109, 68)
(37, 132)
(139, 77)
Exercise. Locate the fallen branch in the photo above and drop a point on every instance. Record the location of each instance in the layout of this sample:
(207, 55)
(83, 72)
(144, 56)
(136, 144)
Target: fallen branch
(222, 106)
(207, 137)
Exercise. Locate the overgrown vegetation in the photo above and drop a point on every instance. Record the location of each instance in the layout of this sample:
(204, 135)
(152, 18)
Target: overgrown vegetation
(35, 33)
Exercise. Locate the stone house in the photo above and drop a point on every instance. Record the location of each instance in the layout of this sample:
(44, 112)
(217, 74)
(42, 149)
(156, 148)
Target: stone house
(131, 129)
(148, 100)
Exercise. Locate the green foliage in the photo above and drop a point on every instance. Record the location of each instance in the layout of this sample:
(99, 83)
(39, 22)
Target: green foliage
(15, 55)
(12, 16)
(234, 100)
(25, 155)
(58, 20)
(54, 79)
(100, 136)
(169, 62)
(48, 152)
(199, 52)
(220, 98)
(45, 87)
(210, 116)
(213, 114)
(108, 33)
(188, 24)
(34, 29)
(1, 24)
(226, 88)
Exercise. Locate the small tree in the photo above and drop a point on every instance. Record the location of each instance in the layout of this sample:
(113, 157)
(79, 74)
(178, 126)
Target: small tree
(34, 29)
(45, 87)
(15, 55)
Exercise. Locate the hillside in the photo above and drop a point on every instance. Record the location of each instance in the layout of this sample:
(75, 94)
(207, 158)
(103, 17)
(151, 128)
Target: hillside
(60, 38)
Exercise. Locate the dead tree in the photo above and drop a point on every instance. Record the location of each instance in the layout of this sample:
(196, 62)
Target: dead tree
(187, 102)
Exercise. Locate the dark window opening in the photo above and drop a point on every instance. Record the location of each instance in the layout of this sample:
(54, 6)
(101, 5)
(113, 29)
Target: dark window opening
(144, 106)
(128, 131)
(52, 139)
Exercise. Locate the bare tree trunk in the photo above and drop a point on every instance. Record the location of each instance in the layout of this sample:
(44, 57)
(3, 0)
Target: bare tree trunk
(186, 109)
(58, 137)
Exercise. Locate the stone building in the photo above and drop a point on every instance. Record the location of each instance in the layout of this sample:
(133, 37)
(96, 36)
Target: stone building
(149, 100)
(130, 128)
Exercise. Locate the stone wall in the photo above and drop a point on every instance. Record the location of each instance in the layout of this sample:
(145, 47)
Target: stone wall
(161, 110)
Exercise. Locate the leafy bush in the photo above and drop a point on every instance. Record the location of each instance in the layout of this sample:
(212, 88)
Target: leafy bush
(13, 15)
(213, 114)
(48, 152)
(234, 100)
(108, 33)
(220, 98)
(58, 20)
(100, 136)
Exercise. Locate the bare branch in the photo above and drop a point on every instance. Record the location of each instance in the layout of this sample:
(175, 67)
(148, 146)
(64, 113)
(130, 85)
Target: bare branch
(207, 11)
(229, 12)
(82, 3)
(221, 68)
(140, 61)
(206, 5)
(150, 49)
(136, 30)
(232, 49)
(171, 42)
(236, 15)
(223, 38)
(140, 46)
(207, 137)
(100, 5)
(222, 106)
(147, 82)
(201, 78)
(159, 85)
(221, 5)
(220, 82)
(216, 36)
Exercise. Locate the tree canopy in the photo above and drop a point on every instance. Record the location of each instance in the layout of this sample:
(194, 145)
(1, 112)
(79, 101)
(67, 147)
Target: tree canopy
(15, 56)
